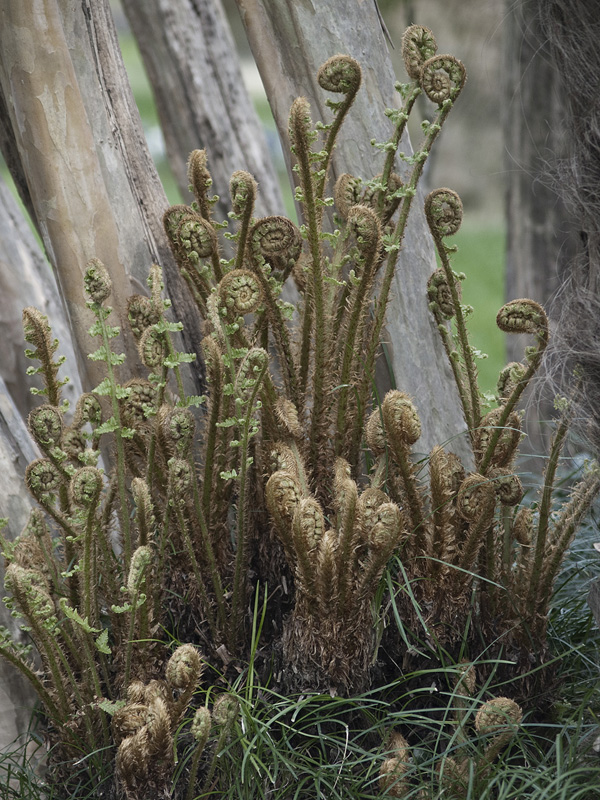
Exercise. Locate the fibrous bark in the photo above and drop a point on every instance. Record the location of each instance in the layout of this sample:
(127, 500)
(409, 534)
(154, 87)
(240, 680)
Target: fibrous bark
(540, 239)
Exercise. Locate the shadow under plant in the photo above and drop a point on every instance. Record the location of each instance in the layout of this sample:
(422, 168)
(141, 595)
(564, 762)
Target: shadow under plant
(262, 541)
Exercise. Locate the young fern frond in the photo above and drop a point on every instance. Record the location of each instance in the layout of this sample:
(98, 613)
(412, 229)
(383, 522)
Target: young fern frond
(37, 333)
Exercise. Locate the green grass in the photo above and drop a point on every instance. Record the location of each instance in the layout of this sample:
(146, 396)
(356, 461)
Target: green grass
(481, 257)
(317, 746)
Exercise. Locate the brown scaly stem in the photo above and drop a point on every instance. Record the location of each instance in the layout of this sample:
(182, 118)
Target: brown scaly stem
(268, 394)
(54, 656)
(111, 562)
(68, 543)
(473, 412)
(298, 124)
(454, 361)
(89, 610)
(563, 533)
(506, 411)
(342, 300)
(403, 116)
(507, 545)
(211, 443)
(92, 672)
(216, 265)
(121, 469)
(132, 635)
(346, 554)
(199, 298)
(280, 334)
(366, 223)
(29, 675)
(242, 512)
(490, 565)
(518, 316)
(209, 552)
(393, 249)
(305, 349)
(400, 229)
(185, 535)
(545, 510)
(415, 510)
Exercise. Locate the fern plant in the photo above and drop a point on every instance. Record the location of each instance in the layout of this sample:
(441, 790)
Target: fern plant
(476, 740)
(299, 483)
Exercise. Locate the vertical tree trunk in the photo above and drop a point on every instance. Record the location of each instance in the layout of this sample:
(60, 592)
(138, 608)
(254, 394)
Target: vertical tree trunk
(538, 243)
(571, 30)
(56, 146)
(201, 99)
(139, 200)
(81, 151)
(290, 41)
(16, 450)
(26, 279)
(540, 239)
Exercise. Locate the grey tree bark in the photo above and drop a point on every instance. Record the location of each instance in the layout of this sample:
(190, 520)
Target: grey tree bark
(540, 237)
(26, 279)
(80, 150)
(289, 42)
(190, 58)
(16, 451)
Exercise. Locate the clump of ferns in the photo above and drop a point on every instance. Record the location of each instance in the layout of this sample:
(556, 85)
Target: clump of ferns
(147, 727)
(91, 611)
(336, 538)
(473, 548)
(184, 529)
(471, 738)
(90, 571)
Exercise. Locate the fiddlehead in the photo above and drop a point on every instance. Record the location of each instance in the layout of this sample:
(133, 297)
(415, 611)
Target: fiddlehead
(442, 78)
(418, 46)
(444, 212)
(141, 313)
(200, 181)
(46, 426)
(242, 188)
(524, 316)
(340, 74)
(239, 293)
(37, 333)
(86, 485)
(276, 241)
